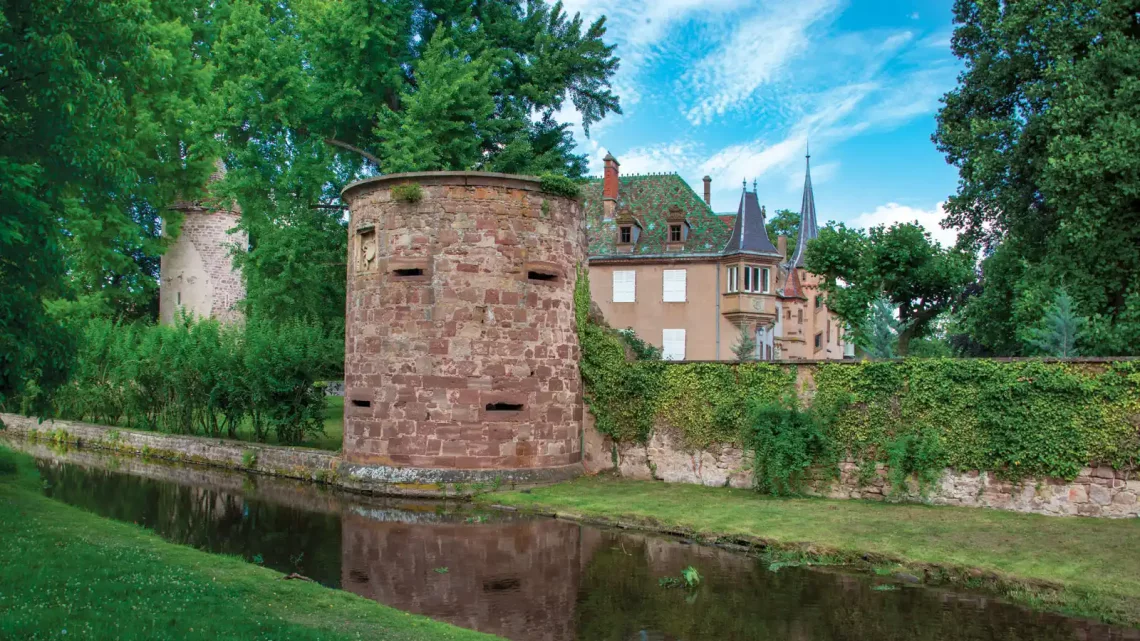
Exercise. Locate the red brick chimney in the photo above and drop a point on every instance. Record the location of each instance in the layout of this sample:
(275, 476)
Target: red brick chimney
(782, 245)
(708, 191)
(609, 186)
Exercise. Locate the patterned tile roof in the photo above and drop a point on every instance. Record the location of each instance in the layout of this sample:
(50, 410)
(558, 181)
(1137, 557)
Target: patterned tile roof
(651, 199)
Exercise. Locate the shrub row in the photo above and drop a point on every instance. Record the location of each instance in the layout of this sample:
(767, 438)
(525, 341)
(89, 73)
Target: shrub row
(918, 416)
(199, 377)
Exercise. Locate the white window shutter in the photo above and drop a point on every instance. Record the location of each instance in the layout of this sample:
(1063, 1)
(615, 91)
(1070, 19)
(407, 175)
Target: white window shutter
(673, 344)
(673, 286)
(625, 284)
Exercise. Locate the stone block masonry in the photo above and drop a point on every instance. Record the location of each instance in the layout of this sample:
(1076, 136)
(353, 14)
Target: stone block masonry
(461, 348)
(1102, 492)
(274, 460)
(197, 272)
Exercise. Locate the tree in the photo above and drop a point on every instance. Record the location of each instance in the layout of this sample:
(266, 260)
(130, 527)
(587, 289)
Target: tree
(1044, 127)
(96, 102)
(312, 94)
(786, 223)
(745, 347)
(878, 334)
(1059, 331)
(900, 263)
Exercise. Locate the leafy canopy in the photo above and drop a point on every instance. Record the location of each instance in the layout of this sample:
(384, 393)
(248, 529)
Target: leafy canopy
(786, 223)
(312, 94)
(1044, 128)
(899, 263)
(98, 99)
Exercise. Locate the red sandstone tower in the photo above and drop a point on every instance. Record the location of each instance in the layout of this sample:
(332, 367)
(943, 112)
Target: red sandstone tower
(461, 351)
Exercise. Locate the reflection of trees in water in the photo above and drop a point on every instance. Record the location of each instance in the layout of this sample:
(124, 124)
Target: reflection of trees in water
(547, 579)
(738, 599)
(205, 518)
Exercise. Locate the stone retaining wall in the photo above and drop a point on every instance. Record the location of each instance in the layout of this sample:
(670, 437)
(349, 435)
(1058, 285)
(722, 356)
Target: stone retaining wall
(1101, 492)
(291, 462)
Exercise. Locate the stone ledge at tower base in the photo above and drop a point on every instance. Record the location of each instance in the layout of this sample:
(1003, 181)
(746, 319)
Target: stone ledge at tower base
(276, 460)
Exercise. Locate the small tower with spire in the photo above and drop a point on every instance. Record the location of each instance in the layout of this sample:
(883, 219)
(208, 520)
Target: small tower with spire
(808, 227)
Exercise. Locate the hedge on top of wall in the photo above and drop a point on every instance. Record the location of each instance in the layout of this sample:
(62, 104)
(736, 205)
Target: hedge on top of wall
(1013, 418)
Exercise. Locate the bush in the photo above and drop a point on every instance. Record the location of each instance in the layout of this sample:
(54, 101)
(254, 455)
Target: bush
(559, 185)
(407, 193)
(201, 377)
(786, 443)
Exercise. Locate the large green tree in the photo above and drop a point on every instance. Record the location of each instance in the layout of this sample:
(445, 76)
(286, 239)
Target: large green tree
(97, 99)
(1044, 127)
(312, 94)
(786, 223)
(899, 264)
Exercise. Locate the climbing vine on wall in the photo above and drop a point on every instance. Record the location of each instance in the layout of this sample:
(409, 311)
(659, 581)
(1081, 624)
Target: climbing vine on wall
(918, 416)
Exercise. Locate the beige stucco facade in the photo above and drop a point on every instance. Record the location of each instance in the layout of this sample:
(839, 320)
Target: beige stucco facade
(712, 316)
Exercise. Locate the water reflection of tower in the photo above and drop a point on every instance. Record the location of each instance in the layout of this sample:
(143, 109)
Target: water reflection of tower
(514, 578)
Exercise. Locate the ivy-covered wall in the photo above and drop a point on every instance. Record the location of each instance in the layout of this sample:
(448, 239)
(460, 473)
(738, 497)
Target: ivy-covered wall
(1014, 419)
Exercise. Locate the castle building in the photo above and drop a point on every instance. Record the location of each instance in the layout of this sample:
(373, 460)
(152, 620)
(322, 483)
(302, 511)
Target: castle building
(692, 283)
(197, 274)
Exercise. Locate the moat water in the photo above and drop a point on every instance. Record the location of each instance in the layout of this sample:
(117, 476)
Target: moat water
(529, 578)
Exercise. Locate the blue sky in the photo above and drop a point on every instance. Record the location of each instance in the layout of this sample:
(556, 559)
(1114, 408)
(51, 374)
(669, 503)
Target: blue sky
(735, 88)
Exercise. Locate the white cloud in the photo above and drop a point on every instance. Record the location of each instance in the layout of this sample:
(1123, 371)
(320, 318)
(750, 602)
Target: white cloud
(930, 219)
(756, 53)
(668, 157)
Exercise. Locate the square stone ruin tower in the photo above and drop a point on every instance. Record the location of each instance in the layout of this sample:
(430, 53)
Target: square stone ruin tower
(461, 350)
(197, 273)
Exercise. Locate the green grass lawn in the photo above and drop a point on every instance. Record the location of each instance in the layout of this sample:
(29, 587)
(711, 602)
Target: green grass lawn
(1094, 563)
(68, 574)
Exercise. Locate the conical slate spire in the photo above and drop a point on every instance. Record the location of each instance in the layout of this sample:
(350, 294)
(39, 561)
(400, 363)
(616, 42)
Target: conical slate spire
(808, 228)
(748, 233)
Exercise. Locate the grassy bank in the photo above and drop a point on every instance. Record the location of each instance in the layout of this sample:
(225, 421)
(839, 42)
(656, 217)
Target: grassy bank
(68, 574)
(1086, 567)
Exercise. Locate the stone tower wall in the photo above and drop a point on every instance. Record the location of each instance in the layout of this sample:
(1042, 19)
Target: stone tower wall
(197, 272)
(461, 350)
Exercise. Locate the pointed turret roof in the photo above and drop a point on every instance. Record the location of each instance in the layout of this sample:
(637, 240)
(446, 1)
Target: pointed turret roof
(749, 236)
(808, 228)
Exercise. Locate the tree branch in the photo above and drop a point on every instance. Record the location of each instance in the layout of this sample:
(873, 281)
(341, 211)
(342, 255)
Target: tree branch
(344, 145)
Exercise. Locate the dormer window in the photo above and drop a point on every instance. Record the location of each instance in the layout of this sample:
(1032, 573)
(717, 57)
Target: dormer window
(629, 230)
(678, 227)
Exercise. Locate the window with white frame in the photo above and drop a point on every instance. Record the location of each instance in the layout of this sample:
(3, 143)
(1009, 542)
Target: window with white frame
(756, 279)
(673, 344)
(673, 286)
(732, 276)
(625, 285)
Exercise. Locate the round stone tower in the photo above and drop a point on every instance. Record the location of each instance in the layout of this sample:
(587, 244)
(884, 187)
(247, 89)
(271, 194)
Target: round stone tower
(196, 273)
(461, 351)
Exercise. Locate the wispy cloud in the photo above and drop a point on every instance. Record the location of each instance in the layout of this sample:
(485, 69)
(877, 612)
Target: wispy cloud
(668, 157)
(757, 52)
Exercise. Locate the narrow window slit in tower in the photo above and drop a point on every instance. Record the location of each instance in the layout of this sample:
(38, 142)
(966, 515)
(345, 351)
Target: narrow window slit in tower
(409, 271)
(361, 402)
(544, 276)
(504, 407)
